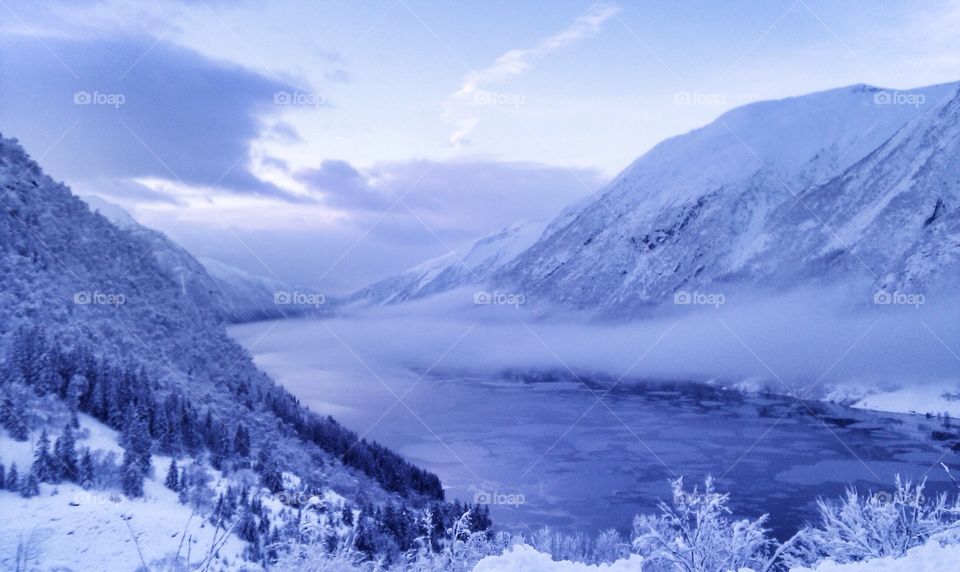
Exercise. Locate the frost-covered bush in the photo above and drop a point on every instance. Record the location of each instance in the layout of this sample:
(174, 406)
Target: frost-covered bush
(320, 548)
(575, 547)
(862, 527)
(460, 552)
(608, 546)
(306, 558)
(695, 534)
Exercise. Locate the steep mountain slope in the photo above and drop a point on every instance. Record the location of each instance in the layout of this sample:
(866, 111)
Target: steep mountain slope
(235, 295)
(855, 182)
(469, 266)
(891, 219)
(92, 325)
(246, 297)
(701, 208)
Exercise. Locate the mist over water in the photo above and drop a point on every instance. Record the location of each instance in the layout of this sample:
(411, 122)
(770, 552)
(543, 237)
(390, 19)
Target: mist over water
(804, 342)
(500, 401)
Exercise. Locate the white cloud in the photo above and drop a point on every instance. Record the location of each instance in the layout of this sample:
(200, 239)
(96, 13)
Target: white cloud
(475, 90)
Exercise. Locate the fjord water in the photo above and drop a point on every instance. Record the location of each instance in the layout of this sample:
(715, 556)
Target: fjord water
(552, 453)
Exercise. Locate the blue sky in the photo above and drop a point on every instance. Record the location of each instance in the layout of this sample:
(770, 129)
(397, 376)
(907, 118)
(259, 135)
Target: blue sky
(278, 138)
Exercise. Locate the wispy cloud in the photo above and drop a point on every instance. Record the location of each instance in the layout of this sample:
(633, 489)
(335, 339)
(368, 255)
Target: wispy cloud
(476, 89)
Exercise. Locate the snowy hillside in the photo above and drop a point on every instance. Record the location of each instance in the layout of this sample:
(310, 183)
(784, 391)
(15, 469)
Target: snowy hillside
(237, 295)
(111, 367)
(890, 219)
(67, 526)
(469, 266)
(709, 207)
(857, 184)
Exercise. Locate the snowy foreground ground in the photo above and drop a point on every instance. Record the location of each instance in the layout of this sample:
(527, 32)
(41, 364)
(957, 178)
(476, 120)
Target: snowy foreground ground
(930, 557)
(66, 527)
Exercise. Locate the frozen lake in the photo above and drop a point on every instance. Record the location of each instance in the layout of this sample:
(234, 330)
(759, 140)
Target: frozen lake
(550, 453)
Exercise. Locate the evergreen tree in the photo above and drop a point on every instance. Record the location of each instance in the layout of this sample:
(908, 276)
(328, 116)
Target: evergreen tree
(115, 401)
(3, 476)
(30, 486)
(230, 506)
(12, 415)
(166, 432)
(13, 480)
(131, 477)
(219, 449)
(65, 456)
(269, 470)
(246, 527)
(135, 441)
(241, 441)
(172, 481)
(189, 429)
(86, 472)
(43, 468)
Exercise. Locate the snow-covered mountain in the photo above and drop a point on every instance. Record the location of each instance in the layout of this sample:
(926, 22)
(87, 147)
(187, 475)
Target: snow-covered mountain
(121, 391)
(246, 296)
(857, 183)
(236, 295)
(468, 266)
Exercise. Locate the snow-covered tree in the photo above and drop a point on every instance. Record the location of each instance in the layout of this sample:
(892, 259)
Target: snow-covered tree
(172, 480)
(65, 454)
(694, 533)
(13, 411)
(43, 468)
(13, 479)
(861, 527)
(241, 441)
(85, 474)
(136, 443)
(30, 485)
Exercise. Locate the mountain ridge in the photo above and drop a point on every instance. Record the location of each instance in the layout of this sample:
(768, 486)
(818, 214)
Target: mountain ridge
(700, 210)
(236, 296)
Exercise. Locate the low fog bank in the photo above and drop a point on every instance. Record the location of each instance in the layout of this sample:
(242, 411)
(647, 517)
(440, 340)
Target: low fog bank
(809, 342)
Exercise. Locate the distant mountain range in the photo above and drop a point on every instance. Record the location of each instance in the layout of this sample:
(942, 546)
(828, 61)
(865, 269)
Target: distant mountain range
(467, 267)
(858, 184)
